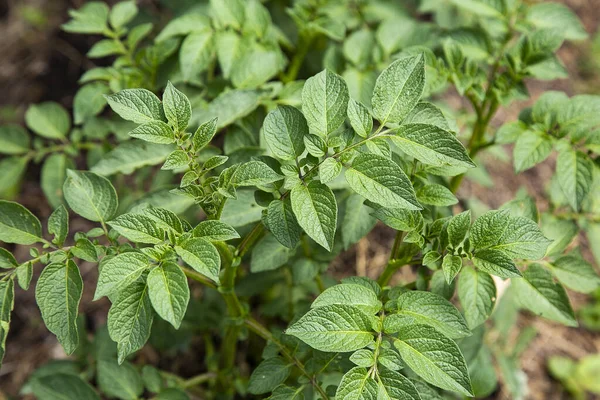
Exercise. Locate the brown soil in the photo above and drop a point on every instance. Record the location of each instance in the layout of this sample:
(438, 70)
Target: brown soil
(39, 62)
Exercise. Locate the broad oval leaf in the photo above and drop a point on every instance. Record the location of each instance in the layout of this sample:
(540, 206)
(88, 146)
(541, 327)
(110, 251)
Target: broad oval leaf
(269, 374)
(355, 295)
(477, 295)
(49, 120)
(215, 230)
(202, 256)
(120, 271)
(62, 386)
(121, 381)
(575, 273)
(89, 195)
(138, 228)
(283, 224)
(137, 105)
(382, 181)
(357, 384)
(169, 292)
(396, 386)
(324, 102)
(336, 327)
(284, 129)
(18, 224)
(154, 132)
(315, 208)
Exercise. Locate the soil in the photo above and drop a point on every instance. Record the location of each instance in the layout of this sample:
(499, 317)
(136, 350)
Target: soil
(40, 63)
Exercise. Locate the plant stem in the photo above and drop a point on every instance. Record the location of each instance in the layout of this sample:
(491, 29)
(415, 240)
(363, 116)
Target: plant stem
(198, 277)
(395, 262)
(304, 42)
(263, 332)
(198, 379)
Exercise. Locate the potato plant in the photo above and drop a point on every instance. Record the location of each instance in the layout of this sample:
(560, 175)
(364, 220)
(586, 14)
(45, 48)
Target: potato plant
(244, 145)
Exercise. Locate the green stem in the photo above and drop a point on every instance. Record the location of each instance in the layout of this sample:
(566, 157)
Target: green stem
(197, 380)
(394, 262)
(263, 332)
(304, 42)
(198, 277)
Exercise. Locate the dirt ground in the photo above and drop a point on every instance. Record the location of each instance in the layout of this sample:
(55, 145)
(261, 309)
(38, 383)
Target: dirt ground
(38, 62)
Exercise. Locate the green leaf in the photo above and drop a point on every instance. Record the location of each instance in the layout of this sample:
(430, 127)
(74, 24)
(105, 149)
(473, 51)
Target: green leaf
(165, 219)
(315, 145)
(329, 169)
(351, 294)
(91, 18)
(363, 358)
(557, 16)
(538, 293)
(357, 384)
(434, 357)
(138, 228)
(283, 224)
(58, 225)
(177, 159)
(284, 129)
(431, 145)
(49, 120)
(85, 250)
(130, 156)
(202, 256)
(62, 386)
(418, 307)
(398, 218)
(196, 53)
(436, 195)
(154, 132)
(7, 260)
(13, 169)
(89, 195)
(130, 319)
(122, 13)
(517, 237)
(4, 327)
(169, 292)
(18, 224)
(574, 171)
(315, 208)
(334, 328)
(178, 109)
(477, 295)
(360, 119)
(382, 181)
(53, 175)
(89, 101)
(458, 228)
(255, 173)
(427, 113)
(496, 262)
(451, 266)
(215, 230)
(324, 102)
(183, 25)
(57, 294)
(136, 105)
(13, 140)
(398, 89)
(269, 254)
(357, 220)
(531, 148)
(121, 381)
(397, 387)
(229, 106)
(256, 65)
(7, 299)
(204, 134)
(269, 374)
(575, 273)
(119, 271)
(228, 13)
(241, 211)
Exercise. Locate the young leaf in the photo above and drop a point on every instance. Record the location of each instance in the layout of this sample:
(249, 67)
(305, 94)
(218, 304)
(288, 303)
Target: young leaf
(436, 195)
(382, 181)
(284, 129)
(154, 132)
(396, 386)
(215, 230)
(177, 159)
(202, 256)
(360, 119)
(398, 89)
(18, 224)
(451, 266)
(91, 18)
(169, 292)
(89, 195)
(458, 228)
(517, 237)
(315, 145)
(121, 381)
(138, 228)
(120, 271)
(357, 384)
(324, 102)
(477, 295)
(58, 293)
(49, 120)
(574, 171)
(130, 319)
(351, 294)
(137, 105)
(269, 374)
(431, 145)
(62, 385)
(255, 173)
(315, 208)
(575, 273)
(538, 293)
(363, 358)
(434, 357)
(204, 134)
(122, 13)
(336, 327)
(420, 307)
(283, 224)
(329, 170)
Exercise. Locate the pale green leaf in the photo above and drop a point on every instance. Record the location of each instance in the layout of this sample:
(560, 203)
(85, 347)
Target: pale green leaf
(130, 156)
(255, 173)
(557, 16)
(138, 228)
(458, 228)
(154, 132)
(436, 195)
(89, 195)
(360, 119)
(575, 273)
(49, 120)
(13, 140)
(357, 384)
(574, 171)
(397, 386)
(178, 109)
(451, 266)
(427, 113)
(531, 148)
(196, 54)
(329, 169)
(91, 18)
(215, 230)
(122, 13)
(357, 221)
(89, 101)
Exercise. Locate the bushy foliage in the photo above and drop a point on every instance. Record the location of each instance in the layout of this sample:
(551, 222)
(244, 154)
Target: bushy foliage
(209, 113)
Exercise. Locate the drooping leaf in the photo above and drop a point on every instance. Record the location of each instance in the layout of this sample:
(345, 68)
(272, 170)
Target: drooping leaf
(315, 208)
(57, 294)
